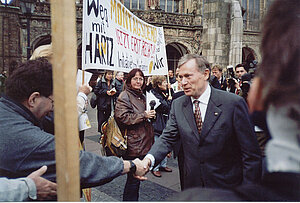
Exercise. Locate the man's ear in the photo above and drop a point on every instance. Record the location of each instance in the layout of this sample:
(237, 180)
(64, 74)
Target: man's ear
(255, 99)
(32, 99)
(206, 73)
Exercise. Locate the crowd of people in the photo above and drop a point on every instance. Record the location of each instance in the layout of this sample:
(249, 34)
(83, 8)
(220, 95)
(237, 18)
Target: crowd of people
(236, 135)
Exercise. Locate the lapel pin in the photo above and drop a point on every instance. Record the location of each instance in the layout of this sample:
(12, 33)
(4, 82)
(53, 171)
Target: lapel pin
(216, 113)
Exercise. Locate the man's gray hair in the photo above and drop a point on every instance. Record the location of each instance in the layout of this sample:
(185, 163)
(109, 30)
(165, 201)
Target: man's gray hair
(201, 61)
(118, 72)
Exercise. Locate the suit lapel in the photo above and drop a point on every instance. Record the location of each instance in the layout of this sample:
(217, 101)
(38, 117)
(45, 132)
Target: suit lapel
(189, 116)
(213, 112)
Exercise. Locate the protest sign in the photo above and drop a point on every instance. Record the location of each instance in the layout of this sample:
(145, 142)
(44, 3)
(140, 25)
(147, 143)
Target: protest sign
(83, 78)
(113, 38)
(83, 122)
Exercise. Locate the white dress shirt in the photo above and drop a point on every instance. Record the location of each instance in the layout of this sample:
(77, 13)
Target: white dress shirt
(203, 101)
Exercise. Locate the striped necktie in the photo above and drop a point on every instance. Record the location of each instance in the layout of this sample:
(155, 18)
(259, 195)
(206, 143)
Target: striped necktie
(197, 114)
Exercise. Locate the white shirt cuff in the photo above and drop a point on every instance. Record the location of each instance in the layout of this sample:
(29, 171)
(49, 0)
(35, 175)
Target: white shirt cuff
(31, 188)
(152, 159)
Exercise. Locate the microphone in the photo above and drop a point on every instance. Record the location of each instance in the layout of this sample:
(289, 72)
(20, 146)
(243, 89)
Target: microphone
(152, 104)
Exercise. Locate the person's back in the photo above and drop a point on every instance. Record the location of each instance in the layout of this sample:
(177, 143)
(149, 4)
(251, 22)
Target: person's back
(21, 140)
(25, 147)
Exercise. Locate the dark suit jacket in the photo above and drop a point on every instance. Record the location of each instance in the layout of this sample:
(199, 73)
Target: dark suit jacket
(215, 83)
(226, 153)
(279, 186)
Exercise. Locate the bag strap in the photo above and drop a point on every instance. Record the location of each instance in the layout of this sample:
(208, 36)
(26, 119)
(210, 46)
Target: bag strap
(112, 101)
(111, 150)
(112, 107)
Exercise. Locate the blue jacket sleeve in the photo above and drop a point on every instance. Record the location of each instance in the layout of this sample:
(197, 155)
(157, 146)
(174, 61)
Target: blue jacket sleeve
(94, 170)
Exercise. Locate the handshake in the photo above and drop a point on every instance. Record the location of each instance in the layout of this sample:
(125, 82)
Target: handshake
(142, 167)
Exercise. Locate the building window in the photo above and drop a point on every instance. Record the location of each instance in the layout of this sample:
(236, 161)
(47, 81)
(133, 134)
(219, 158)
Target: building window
(171, 6)
(127, 4)
(251, 17)
(135, 4)
(269, 2)
(174, 53)
(142, 4)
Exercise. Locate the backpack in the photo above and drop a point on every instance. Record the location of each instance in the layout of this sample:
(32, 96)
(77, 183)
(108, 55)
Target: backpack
(114, 143)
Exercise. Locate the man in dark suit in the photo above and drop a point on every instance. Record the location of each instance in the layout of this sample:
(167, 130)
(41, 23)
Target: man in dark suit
(119, 83)
(218, 81)
(218, 141)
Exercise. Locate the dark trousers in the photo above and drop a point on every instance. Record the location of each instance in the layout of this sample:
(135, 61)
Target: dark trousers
(132, 186)
(102, 116)
(81, 136)
(180, 166)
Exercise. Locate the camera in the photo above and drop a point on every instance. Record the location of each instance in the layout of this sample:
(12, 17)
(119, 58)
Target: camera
(230, 72)
(252, 68)
(229, 76)
(246, 82)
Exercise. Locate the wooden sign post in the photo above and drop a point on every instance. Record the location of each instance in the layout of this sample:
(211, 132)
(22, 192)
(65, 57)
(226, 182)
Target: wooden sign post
(63, 27)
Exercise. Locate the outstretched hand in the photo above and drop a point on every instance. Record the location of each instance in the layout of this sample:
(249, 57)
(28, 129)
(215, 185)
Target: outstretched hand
(45, 188)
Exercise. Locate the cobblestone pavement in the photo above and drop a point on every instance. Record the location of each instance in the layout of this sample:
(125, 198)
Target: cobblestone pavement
(153, 189)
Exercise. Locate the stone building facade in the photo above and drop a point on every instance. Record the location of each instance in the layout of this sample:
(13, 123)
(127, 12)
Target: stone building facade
(225, 31)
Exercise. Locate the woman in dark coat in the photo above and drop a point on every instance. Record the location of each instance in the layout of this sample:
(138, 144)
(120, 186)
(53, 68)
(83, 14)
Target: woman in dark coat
(131, 115)
(159, 90)
(105, 92)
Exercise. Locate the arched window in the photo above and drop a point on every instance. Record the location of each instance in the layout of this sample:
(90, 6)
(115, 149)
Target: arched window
(248, 57)
(174, 52)
(41, 41)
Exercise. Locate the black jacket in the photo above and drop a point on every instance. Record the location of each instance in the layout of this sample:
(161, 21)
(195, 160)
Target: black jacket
(172, 80)
(279, 186)
(119, 87)
(103, 100)
(162, 111)
(215, 83)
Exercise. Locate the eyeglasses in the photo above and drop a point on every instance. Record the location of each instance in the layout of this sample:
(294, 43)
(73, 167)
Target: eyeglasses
(138, 79)
(52, 101)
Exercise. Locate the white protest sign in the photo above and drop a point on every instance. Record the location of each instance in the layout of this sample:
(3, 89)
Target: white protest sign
(113, 38)
(87, 77)
(150, 97)
(84, 122)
